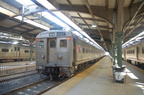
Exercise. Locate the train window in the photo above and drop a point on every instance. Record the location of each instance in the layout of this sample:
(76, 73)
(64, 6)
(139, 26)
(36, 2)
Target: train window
(63, 43)
(52, 44)
(41, 44)
(143, 50)
(31, 51)
(5, 50)
(86, 50)
(138, 50)
(26, 51)
(83, 50)
(130, 51)
(15, 49)
(18, 48)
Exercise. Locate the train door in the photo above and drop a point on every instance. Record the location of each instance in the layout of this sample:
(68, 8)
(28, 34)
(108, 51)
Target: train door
(137, 52)
(52, 51)
(17, 52)
(65, 52)
(41, 51)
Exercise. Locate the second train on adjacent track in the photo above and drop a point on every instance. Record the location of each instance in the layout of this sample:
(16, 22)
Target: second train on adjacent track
(134, 54)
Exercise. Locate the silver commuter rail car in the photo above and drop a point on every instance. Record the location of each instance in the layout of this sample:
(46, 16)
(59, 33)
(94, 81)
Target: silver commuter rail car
(15, 52)
(61, 52)
(134, 54)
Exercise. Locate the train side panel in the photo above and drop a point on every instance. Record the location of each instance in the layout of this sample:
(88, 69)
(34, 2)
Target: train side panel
(85, 52)
(15, 52)
(7, 52)
(135, 54)
(131, 53)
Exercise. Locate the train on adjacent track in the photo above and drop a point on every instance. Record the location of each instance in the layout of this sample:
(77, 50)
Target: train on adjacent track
(14, 52)
(134, 54)
(61, 52)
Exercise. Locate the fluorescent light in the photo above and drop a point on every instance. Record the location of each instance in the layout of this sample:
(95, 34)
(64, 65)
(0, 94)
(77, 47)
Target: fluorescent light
(46, 4)
(106, 53)
(15, 42)
(32, 22)
(7, 12)
(25, 2)
(54, 19)
(133, 38)
(25, 44)
(3, 42)
(94, 24)
(67, 20)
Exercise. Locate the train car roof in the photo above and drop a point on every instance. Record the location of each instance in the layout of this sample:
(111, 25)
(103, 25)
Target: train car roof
(64, 33)
(61, 33)
(54, 33)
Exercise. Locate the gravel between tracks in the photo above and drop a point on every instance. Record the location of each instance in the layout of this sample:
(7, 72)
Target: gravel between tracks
(17, 83)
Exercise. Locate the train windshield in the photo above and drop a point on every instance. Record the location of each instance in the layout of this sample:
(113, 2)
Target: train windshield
(41, 44)
(63, 43)
(52, 44)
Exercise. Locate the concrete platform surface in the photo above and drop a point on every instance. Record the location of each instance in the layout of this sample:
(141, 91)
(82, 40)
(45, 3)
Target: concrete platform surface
(98, 80)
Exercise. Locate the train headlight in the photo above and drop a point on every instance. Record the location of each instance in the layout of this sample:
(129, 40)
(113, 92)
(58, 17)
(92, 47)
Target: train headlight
(68, 38)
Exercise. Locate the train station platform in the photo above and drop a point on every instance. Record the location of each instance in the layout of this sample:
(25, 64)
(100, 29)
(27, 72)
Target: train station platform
(98, 80)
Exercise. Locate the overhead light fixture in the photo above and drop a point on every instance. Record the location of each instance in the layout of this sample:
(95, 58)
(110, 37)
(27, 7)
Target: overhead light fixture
(101, 39)
(67, 20)
(54, 19)
(6, 12)
(94, 24)
(32, 22)
(46, 4)
(127, 43)
(44, 14)
(25, 2)
(15, 42)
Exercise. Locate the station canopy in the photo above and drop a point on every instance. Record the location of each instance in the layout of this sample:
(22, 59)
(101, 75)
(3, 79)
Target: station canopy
(96, 20)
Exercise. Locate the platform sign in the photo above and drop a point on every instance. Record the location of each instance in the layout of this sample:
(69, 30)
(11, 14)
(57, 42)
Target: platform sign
(52, 34)
(61, 33)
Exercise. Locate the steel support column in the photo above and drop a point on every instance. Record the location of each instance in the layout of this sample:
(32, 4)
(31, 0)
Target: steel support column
(31, 52)
(113, 55)
(119, 48)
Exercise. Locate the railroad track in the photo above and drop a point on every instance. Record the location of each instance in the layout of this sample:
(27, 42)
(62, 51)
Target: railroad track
(39, 87)
(8, 77)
